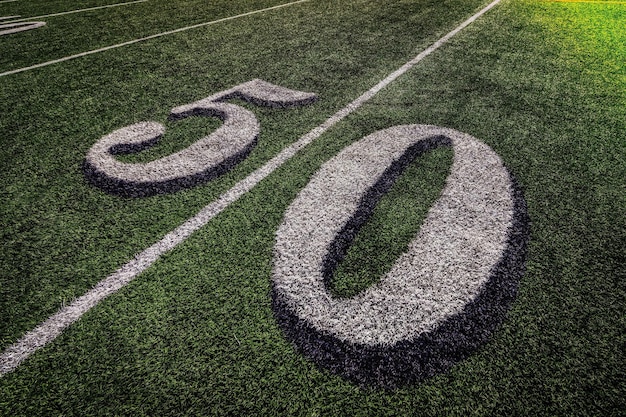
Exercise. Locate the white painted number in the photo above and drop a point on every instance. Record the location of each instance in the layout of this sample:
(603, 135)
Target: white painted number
(441, 298)
(202, 161)
(405, 327)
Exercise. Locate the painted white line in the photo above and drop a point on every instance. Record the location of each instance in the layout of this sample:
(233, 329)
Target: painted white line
(9, 28)
(54, 326)
(79, 10)
(8, 17)
(158, 35)
(7, 1)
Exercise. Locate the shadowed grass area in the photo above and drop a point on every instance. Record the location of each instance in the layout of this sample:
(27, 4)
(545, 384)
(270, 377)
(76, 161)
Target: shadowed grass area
(542, 83)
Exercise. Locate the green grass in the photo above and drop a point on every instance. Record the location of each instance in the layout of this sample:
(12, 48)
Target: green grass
(542, 83)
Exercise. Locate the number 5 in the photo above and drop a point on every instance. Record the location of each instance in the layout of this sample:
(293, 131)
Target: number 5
(202, 161)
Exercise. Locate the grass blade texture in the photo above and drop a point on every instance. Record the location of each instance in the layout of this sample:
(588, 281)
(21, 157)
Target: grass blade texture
(542, 83)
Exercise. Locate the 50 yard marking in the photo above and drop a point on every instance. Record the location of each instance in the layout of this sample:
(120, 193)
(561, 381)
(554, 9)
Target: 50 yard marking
(47, 331)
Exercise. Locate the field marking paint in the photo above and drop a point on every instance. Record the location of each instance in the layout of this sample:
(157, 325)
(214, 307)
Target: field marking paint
(205, 159)
(79, 10)
(7, 17)
(7, 1)
(47, 331)
(12, 27)
(158, 35)
(442, 297)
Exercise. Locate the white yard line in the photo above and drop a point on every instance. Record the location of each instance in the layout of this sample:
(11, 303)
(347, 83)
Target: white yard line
(158, 35)
(54, 326)
(78, 11)
(7, 17)
(7, 1)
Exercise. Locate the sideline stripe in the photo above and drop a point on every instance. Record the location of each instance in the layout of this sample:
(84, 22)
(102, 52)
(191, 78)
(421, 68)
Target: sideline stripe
(79, 10)
(7, 17)
(158, 35)
(7, 1)
(54, 326)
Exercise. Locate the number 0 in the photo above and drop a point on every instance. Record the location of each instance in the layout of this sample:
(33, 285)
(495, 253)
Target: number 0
(440, 299)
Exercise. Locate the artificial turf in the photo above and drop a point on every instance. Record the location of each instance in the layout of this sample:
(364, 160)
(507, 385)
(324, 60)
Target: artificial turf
(542, 83)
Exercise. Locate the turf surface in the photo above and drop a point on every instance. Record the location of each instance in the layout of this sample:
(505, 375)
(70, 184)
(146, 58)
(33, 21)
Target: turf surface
(542, 83)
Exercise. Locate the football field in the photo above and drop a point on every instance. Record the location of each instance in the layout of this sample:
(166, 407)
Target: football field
(312, 207)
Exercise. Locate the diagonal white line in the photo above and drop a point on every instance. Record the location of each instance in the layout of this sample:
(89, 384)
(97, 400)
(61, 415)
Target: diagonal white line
(158, 35)
(7, 1)
(54, 326)
(78, 11)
